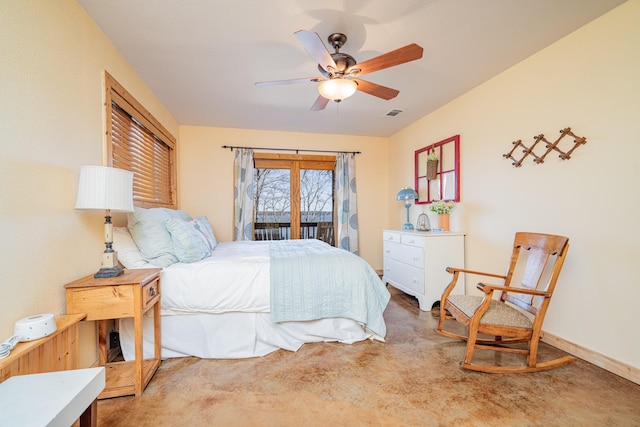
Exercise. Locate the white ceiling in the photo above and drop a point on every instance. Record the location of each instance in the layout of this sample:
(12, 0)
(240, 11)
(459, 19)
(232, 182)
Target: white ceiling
(202, 57)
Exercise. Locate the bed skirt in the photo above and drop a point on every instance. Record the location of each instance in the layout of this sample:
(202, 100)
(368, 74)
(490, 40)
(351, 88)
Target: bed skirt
(235, 335)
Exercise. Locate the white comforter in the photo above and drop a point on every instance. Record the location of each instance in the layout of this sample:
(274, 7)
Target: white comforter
(220, 308)
(235, 278)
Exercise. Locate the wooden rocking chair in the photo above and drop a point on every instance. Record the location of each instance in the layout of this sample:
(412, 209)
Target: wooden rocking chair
(541, 256)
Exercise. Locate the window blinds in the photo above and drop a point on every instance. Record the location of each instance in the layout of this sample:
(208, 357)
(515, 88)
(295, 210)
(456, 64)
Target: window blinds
(137, 149)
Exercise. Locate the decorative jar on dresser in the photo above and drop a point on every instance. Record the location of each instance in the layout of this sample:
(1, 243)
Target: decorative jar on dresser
(415, 262)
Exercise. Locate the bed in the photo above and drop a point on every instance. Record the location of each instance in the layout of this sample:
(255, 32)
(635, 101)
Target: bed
(248, 298)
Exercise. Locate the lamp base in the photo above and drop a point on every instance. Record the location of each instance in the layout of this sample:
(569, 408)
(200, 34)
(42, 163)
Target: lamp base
(407, 225)
(109, 272)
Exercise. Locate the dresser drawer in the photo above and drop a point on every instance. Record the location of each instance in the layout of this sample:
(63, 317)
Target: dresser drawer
(412, 240)
(390, 236)
(406, 254)
(404, 275)
(392, 250)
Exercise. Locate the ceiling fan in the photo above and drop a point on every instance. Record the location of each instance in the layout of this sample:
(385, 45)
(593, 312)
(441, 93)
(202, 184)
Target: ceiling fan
(340, 70)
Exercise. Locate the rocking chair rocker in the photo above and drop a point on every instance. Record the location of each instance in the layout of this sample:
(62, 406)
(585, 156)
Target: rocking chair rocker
(541, 256)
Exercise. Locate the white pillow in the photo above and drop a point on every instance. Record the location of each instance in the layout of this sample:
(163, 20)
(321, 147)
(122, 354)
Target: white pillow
(128, 253)
(189, 244)
(147, 227)
(204, 226)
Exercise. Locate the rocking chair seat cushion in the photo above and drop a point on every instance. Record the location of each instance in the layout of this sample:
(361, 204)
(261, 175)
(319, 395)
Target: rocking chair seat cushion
(498, 313)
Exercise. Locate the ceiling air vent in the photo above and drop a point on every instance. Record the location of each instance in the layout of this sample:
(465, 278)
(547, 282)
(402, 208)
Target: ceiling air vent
(394, 112)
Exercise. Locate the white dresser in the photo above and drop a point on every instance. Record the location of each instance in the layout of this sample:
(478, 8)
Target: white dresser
(415, 262)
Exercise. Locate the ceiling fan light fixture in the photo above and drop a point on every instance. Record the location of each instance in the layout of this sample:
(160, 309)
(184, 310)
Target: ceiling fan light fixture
(337, 89)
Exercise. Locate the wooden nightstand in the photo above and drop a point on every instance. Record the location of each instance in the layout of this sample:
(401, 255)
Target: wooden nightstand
(129, 295)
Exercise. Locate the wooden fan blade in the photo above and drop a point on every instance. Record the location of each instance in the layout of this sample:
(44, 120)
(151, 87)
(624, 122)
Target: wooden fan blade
(408, 53)
(376, 89)
(320, 104)
(289, 81)
(314, 46)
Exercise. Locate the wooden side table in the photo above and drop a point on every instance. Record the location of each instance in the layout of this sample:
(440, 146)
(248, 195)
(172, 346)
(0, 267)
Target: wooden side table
(129, 295)
(56, 352)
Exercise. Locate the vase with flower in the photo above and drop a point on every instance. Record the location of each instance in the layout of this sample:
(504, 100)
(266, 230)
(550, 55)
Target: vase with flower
(443, 209)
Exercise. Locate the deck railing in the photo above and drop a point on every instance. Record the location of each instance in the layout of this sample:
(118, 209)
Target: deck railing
(282, 231)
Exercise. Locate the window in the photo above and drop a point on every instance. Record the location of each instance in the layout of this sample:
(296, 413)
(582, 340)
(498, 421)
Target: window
(294, 197)
(137, 142)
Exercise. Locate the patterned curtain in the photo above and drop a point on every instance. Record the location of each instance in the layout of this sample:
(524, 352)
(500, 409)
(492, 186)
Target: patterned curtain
(346, 202)
(243, 194)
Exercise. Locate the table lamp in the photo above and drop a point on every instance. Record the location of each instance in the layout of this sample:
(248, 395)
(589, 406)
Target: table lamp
(108, 189)
(407, 194)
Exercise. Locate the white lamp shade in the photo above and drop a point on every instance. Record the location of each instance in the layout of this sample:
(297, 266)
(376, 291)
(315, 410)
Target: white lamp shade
(337, 89)
(105, 188)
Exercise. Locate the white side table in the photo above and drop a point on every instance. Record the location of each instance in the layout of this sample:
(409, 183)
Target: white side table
(51, 399)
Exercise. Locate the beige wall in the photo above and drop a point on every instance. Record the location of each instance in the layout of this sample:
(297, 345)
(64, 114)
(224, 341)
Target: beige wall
(206, 176)
(589, 81)
(51, 124)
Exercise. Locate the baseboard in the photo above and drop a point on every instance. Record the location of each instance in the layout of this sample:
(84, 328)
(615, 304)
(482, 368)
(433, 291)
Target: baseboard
(604, 362)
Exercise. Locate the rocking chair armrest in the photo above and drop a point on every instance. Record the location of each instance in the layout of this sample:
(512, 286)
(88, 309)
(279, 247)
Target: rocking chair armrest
(454, 280)
(479, 273)
(488, 288)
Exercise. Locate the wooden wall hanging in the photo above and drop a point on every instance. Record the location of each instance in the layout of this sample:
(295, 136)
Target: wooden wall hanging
(550, 146)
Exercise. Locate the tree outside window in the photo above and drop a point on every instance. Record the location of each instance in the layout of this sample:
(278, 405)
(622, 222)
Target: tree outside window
(294, 199)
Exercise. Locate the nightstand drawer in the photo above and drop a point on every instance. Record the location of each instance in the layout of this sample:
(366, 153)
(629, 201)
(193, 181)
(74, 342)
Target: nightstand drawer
(101, 302)
(150, 292)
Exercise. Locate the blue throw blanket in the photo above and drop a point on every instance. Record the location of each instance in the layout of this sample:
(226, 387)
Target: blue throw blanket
(312, 280)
